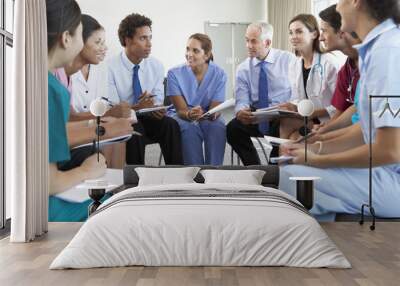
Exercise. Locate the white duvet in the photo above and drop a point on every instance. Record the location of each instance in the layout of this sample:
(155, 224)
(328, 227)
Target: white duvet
(190, 231)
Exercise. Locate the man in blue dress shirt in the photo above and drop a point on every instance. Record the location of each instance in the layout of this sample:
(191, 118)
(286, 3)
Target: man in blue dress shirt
(136, 78)
(261, 81)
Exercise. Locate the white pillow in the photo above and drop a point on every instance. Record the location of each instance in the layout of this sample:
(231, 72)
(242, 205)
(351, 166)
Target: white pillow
(248, 177)
(166, 176)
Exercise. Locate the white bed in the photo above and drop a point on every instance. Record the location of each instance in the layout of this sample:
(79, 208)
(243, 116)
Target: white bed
(246, 229)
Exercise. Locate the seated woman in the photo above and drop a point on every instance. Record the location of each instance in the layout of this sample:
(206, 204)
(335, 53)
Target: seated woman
(342, 163)
(64, 43)
(194, 88)
(90, 82)
(313, 76)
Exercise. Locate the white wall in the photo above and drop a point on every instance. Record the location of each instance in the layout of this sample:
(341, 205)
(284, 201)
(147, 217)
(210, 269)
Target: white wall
(173, 20)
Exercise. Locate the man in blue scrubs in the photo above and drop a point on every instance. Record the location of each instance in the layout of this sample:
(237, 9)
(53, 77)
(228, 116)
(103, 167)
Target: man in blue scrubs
(261, 81)
(138, 79)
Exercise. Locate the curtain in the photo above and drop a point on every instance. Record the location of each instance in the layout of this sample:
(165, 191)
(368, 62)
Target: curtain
(26, 115)
(280, 12)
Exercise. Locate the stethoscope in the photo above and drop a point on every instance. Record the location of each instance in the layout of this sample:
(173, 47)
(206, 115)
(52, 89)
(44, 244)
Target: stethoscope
(319, 69)
(350, 98)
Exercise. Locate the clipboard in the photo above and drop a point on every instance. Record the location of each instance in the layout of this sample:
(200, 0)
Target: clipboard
(105, 142)
(274, 113)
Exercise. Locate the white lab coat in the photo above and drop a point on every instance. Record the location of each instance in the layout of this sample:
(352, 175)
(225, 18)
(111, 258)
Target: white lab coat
(321, 82)
(84, 92)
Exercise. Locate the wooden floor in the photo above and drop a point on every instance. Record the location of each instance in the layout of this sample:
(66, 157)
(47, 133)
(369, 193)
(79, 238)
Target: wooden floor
(375, 257)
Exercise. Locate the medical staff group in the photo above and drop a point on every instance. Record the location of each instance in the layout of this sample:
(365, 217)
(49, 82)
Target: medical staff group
(366, 31)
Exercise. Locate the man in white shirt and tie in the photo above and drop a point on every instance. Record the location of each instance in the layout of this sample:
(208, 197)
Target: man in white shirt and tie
(136, 78)
(261, 81)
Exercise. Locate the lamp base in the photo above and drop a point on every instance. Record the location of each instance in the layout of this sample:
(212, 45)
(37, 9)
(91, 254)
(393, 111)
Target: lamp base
(305, 190)
(305, 193)
(372, 211)
(96, 195)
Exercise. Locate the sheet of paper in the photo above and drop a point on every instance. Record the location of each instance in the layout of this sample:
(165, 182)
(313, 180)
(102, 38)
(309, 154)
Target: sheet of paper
(277, 141)
(152, 109)
(225, 105)
(281, 159)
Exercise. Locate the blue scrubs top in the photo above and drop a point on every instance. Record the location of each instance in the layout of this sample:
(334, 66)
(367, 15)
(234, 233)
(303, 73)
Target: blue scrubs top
(58, 107)
(182, 81)
(380, 69)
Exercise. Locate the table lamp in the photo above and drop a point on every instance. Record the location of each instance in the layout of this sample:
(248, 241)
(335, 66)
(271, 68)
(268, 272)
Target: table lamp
(98, 108)
(305, 108)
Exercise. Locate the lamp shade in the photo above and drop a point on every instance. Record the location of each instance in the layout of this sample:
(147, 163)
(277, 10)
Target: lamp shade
(98, 107)
(305, 107)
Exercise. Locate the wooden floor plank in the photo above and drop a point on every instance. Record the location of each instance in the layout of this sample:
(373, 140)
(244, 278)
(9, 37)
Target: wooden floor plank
(375, 258)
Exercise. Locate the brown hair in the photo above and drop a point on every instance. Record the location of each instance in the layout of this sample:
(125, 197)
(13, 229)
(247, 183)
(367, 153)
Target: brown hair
(332, 17)
(206, 44)
(312, 25)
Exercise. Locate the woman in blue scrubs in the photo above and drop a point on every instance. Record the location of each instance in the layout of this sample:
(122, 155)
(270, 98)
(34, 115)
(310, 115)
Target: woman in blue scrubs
(194, 88)
(342, 163)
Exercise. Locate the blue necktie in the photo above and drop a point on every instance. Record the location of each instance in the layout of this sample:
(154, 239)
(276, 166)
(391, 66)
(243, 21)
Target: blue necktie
(263, 127)
(137, 89)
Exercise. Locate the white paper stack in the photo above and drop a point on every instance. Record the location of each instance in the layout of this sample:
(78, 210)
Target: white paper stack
(152, 109)
(271, 113)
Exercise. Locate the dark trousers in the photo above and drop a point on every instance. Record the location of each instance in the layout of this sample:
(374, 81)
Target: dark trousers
(164, 131)
(238, 136)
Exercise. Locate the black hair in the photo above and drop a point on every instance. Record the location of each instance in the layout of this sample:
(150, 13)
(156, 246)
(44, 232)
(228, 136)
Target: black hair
(89, 26)
(62, 15)
(127, 27)
(384, 9)
(332, 17)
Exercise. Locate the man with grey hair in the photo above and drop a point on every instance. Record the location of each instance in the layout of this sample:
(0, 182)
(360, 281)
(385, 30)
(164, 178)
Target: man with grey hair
(261, 81)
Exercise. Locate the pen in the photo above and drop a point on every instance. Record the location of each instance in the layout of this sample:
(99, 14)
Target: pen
(302, 139)
(148, 96)
(137, 133)
(108, 101)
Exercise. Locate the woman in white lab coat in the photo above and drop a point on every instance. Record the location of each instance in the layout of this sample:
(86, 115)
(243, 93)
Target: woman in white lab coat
(313, 75)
